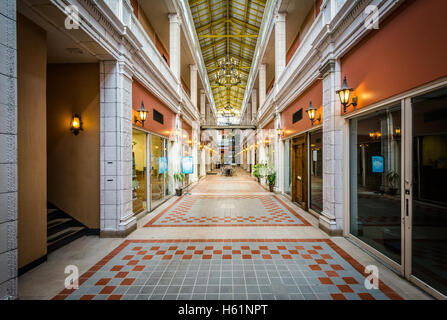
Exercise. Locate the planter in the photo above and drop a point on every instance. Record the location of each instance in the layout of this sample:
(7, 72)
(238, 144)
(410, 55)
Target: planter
(271, 187)
(178, 192)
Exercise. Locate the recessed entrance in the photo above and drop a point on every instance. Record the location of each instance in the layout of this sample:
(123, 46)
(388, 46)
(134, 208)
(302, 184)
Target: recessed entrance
(299, 171)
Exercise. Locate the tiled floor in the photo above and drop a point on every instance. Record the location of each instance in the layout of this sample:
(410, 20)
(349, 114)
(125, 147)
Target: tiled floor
(222, 269)
(236, 241)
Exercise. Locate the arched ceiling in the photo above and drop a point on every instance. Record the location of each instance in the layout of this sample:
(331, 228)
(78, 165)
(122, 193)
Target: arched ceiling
(227, 27)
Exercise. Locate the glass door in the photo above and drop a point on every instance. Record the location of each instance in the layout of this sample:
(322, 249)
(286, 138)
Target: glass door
(426, 190)
(139, 171)
(158, 170)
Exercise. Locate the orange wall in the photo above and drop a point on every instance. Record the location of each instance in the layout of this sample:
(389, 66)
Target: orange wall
(315, 94)
(31, 141)
(73, 161)
(407, 51)
(270, 125)
(139, 93)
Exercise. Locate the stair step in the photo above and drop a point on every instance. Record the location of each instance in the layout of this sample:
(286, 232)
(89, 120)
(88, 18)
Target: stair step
(63, 234)
(57, 222)
(51, 210)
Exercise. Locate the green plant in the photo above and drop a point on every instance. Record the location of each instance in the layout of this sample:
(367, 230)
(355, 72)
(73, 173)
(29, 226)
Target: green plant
(257, 170)
(178, 178)
(393, 179)
(271, 176)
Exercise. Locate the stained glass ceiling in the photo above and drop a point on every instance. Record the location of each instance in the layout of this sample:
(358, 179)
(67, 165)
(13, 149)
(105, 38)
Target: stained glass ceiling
(228, 32)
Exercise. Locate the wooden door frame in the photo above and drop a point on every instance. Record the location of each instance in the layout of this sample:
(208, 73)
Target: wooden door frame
(301, 139)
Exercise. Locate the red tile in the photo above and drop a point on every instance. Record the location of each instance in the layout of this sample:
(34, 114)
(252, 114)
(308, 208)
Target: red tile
(141, 253)
(326, 256)
(227, 247)
(155, 248)
(263, 248)
(325, 280)
(246, 256)
(344, 288)
(337, 267)
(107, 290)
(209, 248)
(315, 267)
(138, 268)
(281, 247)
(226, 256)
(148, 257)
(173, 248)
(198, 252)
(187, 257)
(116, 268)
(132, 262)
(161, 252)
(306, 256)
(286, 256)
(191, 248)
(245, 248)
(68, 291)
(320, 261)
(236, 252)
(350, 280)
(102, 282)
(255, 252)
(366, 296)
(299, 247)
(338, 296)
(331, 273)
(128, 257)
(115, 297)
(217, 252)
(266, 256)
(121, 274)
(317, 248)
(137, 248)
(180, 252)
(87, 297)
(293, 251)
(127, 282)
(312, 252)
(274, 251)
(206, 256)
(167, 257)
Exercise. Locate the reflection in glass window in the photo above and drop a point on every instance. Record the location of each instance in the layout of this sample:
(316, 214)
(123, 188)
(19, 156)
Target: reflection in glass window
(139, 171)
(287, 168)
(375, 175)
(316, 171)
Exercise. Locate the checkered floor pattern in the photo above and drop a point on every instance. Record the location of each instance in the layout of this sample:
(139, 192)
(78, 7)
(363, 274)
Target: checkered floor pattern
(236, 210)
(217, 186)
(226, 270)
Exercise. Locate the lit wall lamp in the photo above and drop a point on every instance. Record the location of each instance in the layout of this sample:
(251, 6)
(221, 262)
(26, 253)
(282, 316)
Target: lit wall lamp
(142, 113)
(311, 112)
(279, 132)
(344, 94)
(76, 124)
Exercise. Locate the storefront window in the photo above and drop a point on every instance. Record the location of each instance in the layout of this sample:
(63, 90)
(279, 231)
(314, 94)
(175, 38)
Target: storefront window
(316, 171)
(159, 170)
(139, 171)
(287, 168)
(375, 175)
(429, 221)
(187, 153)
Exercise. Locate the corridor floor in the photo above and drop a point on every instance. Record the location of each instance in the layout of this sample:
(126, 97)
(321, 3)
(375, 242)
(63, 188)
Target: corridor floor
(228, 239)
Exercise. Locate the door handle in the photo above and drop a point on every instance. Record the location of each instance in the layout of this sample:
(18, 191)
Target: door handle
(407, 207)
(299, 178)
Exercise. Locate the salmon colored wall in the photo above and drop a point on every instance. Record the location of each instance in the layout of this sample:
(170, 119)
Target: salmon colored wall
(74, 161)
(407, 51)
(139, 93)
(293, 48)
(161, 48)
(31, 141)
(315, 94)
(134, 4)
(188, 129)
(317, 6)
(270, 125)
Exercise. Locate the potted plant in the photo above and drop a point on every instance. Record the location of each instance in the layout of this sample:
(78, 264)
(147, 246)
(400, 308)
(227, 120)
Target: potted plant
(257, 171)
(393, 182)
(271, 178)
(178, 178)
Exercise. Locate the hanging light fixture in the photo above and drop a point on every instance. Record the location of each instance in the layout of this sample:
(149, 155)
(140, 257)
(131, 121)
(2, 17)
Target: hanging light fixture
(228, 75)
(311, 112)
(344, 93)
(142, 113)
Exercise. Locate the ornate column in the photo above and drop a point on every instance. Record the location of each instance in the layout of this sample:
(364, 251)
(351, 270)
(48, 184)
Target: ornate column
(262, 84)
(280, 45)
(174, 44)
(193, 84)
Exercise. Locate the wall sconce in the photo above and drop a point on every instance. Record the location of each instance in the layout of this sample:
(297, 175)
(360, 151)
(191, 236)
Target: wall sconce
(143, 115)
(344, 94)
(76, 124)
(279, 132)
(397, 131)
(311, 112)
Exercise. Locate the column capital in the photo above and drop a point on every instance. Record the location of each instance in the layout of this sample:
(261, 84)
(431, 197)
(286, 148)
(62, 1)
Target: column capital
(281, 17)
(175, 18)
(193, 67)
(327, 67)
(202, 91)
(262, 66)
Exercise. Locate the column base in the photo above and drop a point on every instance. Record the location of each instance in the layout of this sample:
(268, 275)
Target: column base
(125, 228)
(330, 226)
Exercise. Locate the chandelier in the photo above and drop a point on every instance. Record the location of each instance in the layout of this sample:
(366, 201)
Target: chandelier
(227, 75)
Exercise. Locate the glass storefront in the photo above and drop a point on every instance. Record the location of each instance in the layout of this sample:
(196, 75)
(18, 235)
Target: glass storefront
(159, 170)
(375, 175)
(157, 180)
(139, 171)
(287, 168)
(429, 170)
(187, 153)
(316, 171)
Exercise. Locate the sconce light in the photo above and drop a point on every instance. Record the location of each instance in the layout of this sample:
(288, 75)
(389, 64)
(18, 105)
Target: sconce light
(143, 115)
(311, 111)
(279, 132)
(76, 124)
(397, 131)
(344, 94)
